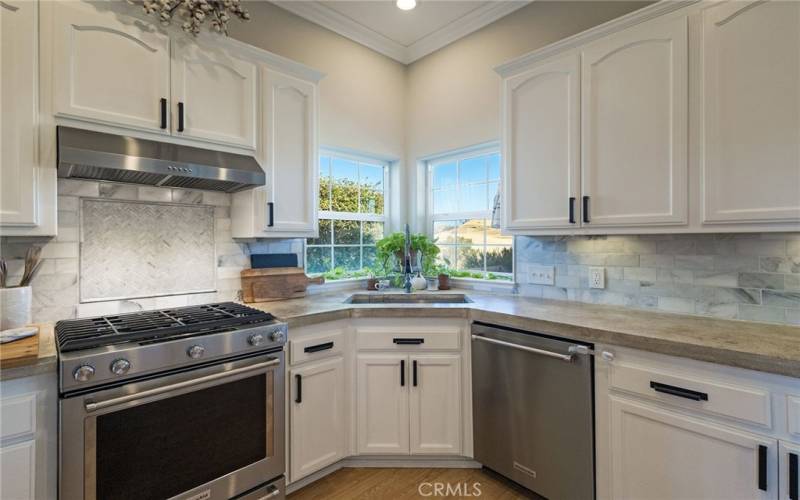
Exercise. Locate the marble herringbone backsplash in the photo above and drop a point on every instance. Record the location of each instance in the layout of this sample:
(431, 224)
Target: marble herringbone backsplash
(738, 276)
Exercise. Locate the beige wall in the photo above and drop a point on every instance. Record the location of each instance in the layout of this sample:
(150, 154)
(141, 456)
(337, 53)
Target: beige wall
(453, 95)
(362, 95)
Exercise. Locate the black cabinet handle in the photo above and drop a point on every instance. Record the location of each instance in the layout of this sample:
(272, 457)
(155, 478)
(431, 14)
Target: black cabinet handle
(180, 117)
(678, 391)
(762, 467)
(319, 347)
(572, 210)
(414, 373)
(402, 373)
(271, 206)
(299, 397)
(399, 341)
(586, 209)
(163, 113)
(793, 485)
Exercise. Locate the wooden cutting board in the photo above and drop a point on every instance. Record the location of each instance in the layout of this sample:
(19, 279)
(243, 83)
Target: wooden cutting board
(277, 283)
(19, 352)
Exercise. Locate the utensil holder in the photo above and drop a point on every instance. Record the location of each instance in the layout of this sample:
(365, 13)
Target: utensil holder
(15, 307)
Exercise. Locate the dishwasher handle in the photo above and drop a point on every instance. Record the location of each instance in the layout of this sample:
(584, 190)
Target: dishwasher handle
(563, 357)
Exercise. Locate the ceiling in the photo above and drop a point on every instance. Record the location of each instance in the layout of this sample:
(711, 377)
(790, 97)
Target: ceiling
(402, 35)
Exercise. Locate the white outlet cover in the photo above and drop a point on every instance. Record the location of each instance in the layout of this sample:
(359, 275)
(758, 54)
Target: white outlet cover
(542, 275)
(597, 277)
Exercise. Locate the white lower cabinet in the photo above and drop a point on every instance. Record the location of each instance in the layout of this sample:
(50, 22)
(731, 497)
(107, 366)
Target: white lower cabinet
(435, 404)
(662, 454)
(318, 409)
(382, 402)
(789, 470)
(17, 470)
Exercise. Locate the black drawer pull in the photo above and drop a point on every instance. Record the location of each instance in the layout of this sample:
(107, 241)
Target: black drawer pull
(402, 373)
(678, 391)
(299, 397)
(414, 373)
(400, 341)
(180, 117)
(271, 207)
(319, 347)
(163, 113)
(586, 209)
(572, 210)
(762, 467)
(793, 484)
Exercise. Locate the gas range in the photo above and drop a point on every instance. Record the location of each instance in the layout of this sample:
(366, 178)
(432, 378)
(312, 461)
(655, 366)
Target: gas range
(114, 349)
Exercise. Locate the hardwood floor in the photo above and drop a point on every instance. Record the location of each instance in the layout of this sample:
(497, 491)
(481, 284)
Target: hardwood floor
(402, 484)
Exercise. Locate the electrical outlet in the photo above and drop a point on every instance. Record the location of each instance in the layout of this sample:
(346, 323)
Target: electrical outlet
(597, 277)
(542, 275)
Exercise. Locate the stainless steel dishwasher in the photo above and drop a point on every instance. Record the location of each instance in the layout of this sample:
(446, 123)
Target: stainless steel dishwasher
(533, 410)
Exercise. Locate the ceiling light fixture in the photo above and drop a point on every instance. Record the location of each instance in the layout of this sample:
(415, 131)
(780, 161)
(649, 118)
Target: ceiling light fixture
(406, 4)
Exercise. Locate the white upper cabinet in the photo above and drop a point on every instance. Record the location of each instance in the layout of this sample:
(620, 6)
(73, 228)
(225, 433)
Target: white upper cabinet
(290, 154)
(213, 95)
(750, 165)
(18, 110)
(541, 153)
(109, 68)
(635, 126)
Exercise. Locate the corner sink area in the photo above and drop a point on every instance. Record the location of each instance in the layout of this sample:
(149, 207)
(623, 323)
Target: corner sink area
(412, 298)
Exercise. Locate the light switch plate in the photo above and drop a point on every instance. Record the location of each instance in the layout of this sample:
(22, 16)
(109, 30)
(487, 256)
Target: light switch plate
(597, 277)
(542, 275)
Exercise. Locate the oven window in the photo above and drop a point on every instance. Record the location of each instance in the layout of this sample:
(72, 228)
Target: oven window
(160, 449)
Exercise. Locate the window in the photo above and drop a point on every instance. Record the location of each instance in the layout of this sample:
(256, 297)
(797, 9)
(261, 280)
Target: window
(462, 188)
(352, 204)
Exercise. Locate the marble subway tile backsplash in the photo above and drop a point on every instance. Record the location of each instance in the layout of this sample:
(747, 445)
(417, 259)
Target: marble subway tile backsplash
(752, 277)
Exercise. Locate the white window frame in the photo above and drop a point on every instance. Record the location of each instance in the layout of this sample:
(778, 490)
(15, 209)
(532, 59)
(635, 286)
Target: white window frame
(333, 215)
(458, 155)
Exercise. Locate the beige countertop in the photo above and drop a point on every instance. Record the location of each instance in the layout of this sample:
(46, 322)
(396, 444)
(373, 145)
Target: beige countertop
(756, 346)
(46, 361)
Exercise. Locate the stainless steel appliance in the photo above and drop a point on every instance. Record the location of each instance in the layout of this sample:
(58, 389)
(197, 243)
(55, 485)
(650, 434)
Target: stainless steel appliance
(533, 410)
(184, 403)
(85, 154)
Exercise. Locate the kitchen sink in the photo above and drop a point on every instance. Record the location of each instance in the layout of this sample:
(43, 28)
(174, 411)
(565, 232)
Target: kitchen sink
(412, 298)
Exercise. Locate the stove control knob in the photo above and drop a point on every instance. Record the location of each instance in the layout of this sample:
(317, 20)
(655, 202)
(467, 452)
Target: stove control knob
(256, 339)
(277, 336)
(120, 366)
(83, 373)
(196, 351)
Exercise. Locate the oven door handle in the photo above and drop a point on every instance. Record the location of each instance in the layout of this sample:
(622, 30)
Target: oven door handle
(93, 406)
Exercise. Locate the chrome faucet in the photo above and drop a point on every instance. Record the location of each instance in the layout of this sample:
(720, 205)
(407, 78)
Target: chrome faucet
(407, 261)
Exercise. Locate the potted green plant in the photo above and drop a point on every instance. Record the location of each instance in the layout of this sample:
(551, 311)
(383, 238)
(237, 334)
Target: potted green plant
(444, 276)
(392, 247)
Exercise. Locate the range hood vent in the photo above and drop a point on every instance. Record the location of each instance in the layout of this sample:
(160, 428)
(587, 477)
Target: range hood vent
(83, 154)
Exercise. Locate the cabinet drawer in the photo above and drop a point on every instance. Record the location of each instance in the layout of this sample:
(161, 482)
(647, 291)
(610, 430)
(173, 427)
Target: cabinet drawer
(699, 392)
(18, 416)
(315, 347)
(428, 338)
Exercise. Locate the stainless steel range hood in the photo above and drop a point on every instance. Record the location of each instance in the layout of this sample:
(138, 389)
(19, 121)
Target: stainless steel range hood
(84, 154)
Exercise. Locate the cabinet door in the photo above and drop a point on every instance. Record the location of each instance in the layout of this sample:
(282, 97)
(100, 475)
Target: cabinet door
(109, 69)
(19, 58)
(290, 152)
(542, 145)
(659, 454)
(789, 470)
(216, 94)
(751, 112)
(435, 404)
(318, 426)
(382, 418)
(635, 132)
(18, 471)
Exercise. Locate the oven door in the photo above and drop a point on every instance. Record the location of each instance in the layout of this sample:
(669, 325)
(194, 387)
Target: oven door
(208, 433)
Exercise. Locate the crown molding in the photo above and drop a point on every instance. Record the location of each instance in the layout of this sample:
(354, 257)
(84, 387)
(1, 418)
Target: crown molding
(657, 9)
(319, 13)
